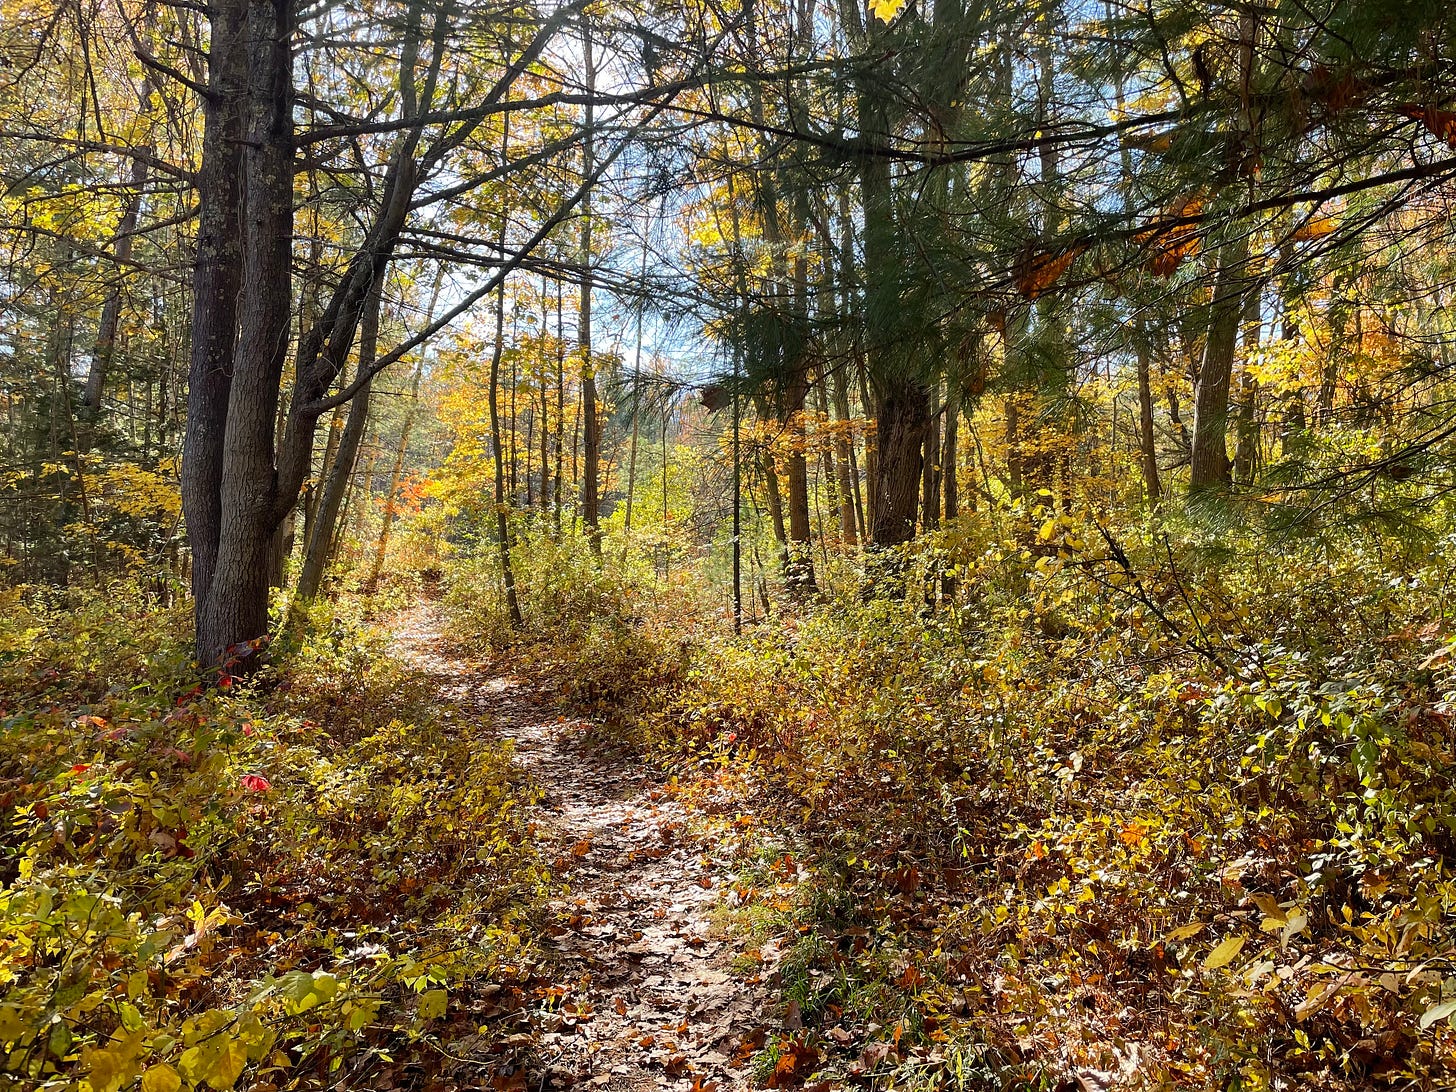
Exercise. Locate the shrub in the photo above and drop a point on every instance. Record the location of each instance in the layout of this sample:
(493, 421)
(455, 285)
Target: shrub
(268, 878)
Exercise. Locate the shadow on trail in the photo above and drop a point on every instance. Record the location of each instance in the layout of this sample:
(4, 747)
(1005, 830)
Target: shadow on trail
(639, 994)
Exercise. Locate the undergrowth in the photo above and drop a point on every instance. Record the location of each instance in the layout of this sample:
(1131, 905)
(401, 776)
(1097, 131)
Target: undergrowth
(284, 883)
(1075, 805)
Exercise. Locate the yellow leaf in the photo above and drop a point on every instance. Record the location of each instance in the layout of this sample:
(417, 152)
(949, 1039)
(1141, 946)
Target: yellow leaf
(12, 1026)
(432, 1004)
(1314, 228)
(161, 1078)
(228, 1067)
(1183, 932)
(1223, 954)
(885, 10)
(1274, 916)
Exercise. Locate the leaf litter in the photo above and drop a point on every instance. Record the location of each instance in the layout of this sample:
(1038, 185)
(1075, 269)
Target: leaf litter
(635, 989)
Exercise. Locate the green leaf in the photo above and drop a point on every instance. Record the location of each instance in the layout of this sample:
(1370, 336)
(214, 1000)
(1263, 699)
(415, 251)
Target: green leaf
(1437, 1012)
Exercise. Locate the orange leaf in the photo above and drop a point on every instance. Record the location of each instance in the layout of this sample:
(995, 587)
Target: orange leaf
(1315, 228)
(1172, 242)
(1037, 272)
(1441, 123)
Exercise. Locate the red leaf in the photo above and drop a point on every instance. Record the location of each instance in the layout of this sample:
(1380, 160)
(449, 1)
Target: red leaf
(255, 783)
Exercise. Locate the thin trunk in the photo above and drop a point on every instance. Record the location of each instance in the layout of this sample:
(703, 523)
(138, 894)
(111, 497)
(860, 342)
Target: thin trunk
(311, 489)
(1246, 430)
(637, 395)
(930, 472)
(503, 529)
(320, 546)
(107, 328)
(844, 465)
(396, 472)
(591, 425)
(826, 457)
(949, 471)
(868, 503)
(530, 453)
(515, 477)
(775, 500)
(557, 498)
(1147, 437)
(544, 427)
(796, 348)
(950, 453)
(502, 504)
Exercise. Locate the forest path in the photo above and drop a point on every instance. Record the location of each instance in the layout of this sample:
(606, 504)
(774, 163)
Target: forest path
(647, 998)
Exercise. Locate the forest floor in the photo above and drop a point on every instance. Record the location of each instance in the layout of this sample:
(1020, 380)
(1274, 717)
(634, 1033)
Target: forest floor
(643, 993)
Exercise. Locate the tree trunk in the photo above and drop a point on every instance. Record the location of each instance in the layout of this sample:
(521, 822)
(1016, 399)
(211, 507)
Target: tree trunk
(930, 474)
(312, 490)
(557, 497)
(1246, 451)
(801, 547)
(843, 443)
(233, 606)
(503, 529)
(950, 452)
(636, 400)
(396, 472)
(775, 499)
(215, 283)
(1147, 437)
(107, 328)
(320, 546)
(1208, 456)
(591, 423)
(900, 437)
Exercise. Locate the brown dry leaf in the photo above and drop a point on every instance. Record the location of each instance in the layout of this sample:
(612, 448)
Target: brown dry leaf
(1036, 272)
(795, 1064)
(1172, 243)
(1441, 123)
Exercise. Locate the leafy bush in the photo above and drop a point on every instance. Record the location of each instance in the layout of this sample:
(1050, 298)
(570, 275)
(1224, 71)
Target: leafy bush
(199, 884)
(1124, 804)
(594, 628)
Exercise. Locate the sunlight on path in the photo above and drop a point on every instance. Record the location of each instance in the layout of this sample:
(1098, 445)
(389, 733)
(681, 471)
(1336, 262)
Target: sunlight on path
(648, 999)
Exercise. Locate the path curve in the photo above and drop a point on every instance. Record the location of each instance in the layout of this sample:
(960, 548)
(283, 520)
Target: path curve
(649, 1000)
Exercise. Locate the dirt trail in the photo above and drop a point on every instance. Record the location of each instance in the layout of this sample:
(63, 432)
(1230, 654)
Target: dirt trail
(648, 1001)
